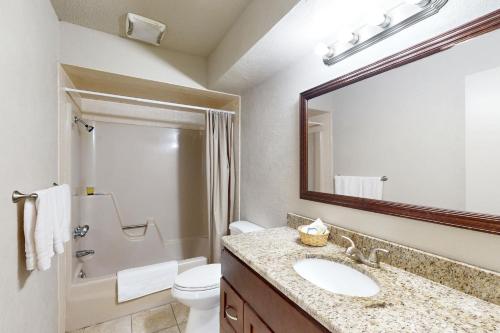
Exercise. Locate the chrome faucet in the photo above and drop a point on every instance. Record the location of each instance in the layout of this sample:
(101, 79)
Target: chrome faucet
(80, 231)
(356, 255)
(83, 253)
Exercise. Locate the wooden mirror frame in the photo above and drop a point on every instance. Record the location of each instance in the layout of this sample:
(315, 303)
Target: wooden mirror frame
(468, 220)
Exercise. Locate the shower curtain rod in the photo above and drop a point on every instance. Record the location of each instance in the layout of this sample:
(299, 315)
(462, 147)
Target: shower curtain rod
(143, 100)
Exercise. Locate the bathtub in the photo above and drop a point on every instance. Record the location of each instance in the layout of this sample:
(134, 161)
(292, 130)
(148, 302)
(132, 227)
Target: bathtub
(94, 300)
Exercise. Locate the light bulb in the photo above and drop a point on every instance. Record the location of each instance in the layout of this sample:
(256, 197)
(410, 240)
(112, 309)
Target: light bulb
(421, 3)
(348, 37)
(379, 19)
(322, 49)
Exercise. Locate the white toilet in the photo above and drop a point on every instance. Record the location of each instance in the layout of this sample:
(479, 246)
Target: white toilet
(199, 289)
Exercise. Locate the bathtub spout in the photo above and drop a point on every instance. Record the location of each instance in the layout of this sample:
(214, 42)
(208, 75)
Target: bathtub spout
(83, 253)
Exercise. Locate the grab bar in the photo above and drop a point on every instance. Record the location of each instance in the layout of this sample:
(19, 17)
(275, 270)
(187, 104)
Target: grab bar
(134, 226)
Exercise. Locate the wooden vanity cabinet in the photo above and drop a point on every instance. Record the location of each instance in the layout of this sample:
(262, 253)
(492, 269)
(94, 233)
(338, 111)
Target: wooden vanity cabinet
(249, 304)
(231, 305)
(252, 323)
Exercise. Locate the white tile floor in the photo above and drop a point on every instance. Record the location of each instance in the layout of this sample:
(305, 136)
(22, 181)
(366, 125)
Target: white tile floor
(170, 318)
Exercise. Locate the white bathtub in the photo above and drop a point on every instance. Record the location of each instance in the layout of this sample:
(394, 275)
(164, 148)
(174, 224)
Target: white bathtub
(93, 300)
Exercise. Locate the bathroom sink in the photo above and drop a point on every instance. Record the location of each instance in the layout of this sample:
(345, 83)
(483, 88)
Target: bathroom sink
(335, 277)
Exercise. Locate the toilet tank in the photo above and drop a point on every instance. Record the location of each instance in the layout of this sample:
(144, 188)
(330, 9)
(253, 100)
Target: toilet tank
(240, 227)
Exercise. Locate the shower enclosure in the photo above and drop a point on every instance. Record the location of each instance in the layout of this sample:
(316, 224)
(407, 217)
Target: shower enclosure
(149, 201)
(137, 173)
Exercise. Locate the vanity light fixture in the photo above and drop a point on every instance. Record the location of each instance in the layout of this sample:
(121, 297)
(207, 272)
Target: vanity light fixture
(323, 50)
(421, 3)
(378, 27)
(348, 37)
(379, 19)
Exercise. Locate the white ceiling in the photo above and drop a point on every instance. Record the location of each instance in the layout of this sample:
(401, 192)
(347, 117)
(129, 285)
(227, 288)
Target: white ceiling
(194, 27)
(244, 41)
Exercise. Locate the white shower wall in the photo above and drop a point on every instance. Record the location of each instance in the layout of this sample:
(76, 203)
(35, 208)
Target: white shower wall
(156, 174)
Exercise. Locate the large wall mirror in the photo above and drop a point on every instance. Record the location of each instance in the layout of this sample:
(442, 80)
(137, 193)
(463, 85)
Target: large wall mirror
(415, 135)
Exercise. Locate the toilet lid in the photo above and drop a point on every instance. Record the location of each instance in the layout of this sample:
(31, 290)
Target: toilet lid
(199, 278)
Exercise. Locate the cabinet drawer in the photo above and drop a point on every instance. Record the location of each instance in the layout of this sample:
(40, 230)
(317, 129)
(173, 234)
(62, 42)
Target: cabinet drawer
(231, 309)
(252, 323)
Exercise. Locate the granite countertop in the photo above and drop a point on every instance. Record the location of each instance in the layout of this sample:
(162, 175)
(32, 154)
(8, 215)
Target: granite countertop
(406, 302)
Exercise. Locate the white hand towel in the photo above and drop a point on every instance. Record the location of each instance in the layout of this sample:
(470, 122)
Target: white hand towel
(140, 281)
(29, 233)
(44, 228)
(63, 217)
(363, 187)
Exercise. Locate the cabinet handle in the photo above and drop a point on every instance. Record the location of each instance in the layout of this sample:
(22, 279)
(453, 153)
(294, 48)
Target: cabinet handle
(235, 318)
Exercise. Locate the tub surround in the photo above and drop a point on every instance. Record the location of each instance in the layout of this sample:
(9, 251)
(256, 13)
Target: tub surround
(472, 280)
(406, 302)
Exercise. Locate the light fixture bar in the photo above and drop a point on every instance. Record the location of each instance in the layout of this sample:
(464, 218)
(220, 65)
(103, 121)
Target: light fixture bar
(428, 9)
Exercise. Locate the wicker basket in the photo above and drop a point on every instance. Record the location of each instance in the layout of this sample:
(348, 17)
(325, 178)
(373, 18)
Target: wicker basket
(312, 240)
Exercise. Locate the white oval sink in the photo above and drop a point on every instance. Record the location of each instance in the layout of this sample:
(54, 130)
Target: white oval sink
(336, 277)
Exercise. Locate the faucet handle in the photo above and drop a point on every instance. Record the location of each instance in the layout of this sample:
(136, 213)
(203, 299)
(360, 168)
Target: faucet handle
(374, 258)
(350, 241)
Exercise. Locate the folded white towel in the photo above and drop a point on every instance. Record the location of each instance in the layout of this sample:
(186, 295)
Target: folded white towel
(47, 224)
(44, 228)
(140, 281)
(317, 228)
(363, 187)
(29, 233)
(63, 217)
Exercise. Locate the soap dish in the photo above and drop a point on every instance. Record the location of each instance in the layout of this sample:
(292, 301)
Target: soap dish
(312, 240)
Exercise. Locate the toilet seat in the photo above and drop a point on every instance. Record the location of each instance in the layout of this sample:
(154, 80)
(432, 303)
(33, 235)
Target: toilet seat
(198, 279)
(197, 298)
(199, 287)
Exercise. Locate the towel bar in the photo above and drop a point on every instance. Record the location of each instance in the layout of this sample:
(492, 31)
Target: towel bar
(383, 178)
(18, 196)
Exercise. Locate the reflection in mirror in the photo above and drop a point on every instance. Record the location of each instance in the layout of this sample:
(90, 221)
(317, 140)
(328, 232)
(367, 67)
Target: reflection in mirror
(432, 127)
(320, 150)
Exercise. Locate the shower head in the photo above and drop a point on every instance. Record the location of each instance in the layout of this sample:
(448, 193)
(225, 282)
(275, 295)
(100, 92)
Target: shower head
(88, 127)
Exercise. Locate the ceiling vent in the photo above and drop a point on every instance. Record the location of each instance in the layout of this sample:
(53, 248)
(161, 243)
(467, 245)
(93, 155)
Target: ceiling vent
(144, 29)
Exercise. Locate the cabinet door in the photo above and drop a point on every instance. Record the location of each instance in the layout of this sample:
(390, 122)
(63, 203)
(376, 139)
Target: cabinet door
(252, 323)
(231, 309)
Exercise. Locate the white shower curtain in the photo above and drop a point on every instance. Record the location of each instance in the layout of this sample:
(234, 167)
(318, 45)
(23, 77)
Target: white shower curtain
(220, 176)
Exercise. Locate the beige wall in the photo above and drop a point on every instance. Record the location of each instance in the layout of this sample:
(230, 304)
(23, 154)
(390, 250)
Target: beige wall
(89, 48)
(270, 150)
(28, 146)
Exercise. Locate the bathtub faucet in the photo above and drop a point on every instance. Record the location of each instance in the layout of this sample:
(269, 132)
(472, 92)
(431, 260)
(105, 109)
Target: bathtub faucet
(80, 231)
(83, 253)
